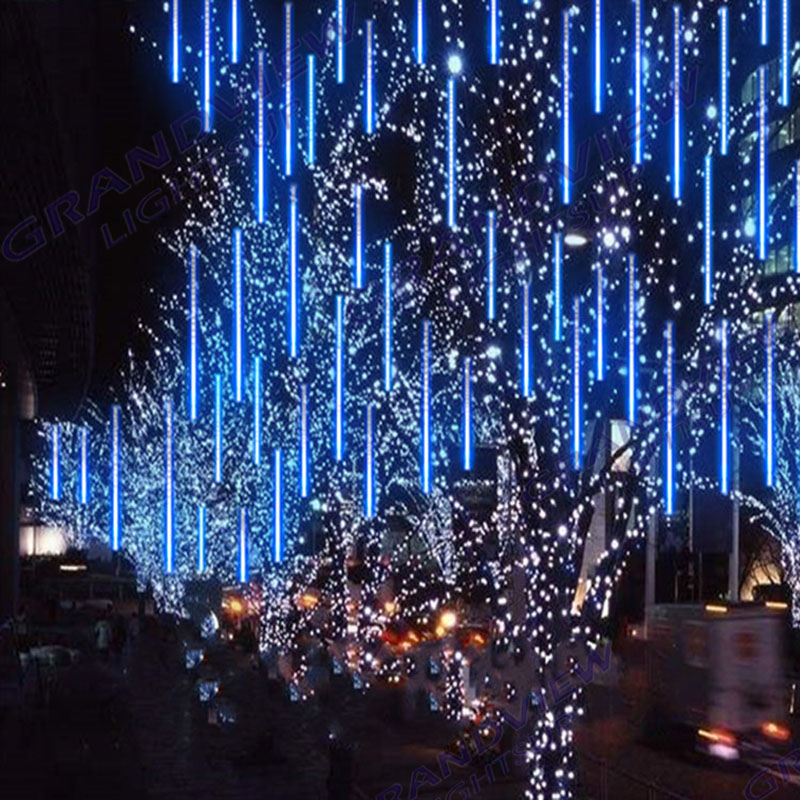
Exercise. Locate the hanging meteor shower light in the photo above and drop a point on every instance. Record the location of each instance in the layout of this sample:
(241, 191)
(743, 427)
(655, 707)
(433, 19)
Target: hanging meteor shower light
(467, 414)
(193, 333)
(238, 316)
(598, 56)
(339, 380)
(84, 477)
(527, 383)
(261, 144)
(669, 443)
(287, 87)
(565, 111)
(426, 406)
(723, 80)
(763, 219)
(638, 110)
(387, 317)
(116, 515)
(723, 411)
(576, 383)
(708, 232)
(769, 410)
(277, 511)
(169, 491)
(369, 466)
(557, 286)
(294, 337)
(55, 469)
(491, 277)
(631, 338)
(676, 102)
(600, 323)
(451, 153)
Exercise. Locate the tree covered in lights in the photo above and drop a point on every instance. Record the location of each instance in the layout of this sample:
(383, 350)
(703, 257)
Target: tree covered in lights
(443, 261)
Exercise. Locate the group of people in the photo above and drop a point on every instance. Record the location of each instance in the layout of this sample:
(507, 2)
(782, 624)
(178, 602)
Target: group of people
(113, 634)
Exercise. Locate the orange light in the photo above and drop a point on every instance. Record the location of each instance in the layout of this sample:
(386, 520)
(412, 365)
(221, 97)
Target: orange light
(308, 600)
(775, 731)
(776, 605)
(717, 736)
(715, 609)
(448, 620)
(390, 607)
(236, 606)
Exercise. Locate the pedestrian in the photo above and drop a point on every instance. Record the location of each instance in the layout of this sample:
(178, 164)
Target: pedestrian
(102, 636)
(21, 630)
(118, 637)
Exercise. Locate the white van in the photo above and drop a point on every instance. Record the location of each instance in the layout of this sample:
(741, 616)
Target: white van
(718, 671)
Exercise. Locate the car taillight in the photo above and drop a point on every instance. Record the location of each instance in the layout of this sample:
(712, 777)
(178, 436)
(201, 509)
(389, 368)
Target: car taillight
(718, 736)
(775, 731)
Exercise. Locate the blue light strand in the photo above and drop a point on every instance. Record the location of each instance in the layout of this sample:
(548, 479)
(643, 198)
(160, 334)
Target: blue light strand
(387, 316)
(676, 102)
(369, 78)
(234, 31)
(785, 63)
(763, 220)
(169, 488)
(669, 444)
(769, 397)
(708, 232)
(207, 60)
(238, 316)
(557, 266)
(797, 216)
(358, 237)
(311, 144)
(116, 515)
(419, 32)
(261, 144)
(83, 494)
(638, 97)
(565, 111)
(527, 371)
(304, 475)
(287, 86)
(294, 289)
(340, 41)
(493, 33)
(201, 539)
(277, 508)
(576, 383)
(600, 322)
(257, 411)
(218, 428)
(764, 22)
(339, 380)
(598, 56)
(467, 415)
(491, 265)
(193, 343)
(723, 80)
(724, 414)
(631, 339)
(55, 463)
(175, 42)
(426, 406)
(369, 464)
(242, 571)
(451, 153)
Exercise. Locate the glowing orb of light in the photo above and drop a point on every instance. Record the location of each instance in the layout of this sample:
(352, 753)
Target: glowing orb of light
(455, 64)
